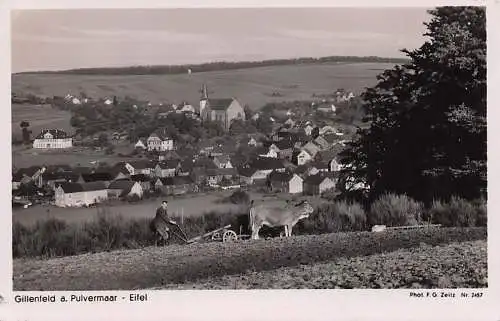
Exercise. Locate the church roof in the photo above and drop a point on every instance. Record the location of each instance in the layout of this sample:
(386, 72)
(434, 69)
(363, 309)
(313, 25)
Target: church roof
(220, 103)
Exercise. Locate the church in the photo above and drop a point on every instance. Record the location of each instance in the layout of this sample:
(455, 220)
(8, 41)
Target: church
(222, 110)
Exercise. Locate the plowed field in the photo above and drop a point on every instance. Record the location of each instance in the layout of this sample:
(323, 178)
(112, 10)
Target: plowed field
(159, 267)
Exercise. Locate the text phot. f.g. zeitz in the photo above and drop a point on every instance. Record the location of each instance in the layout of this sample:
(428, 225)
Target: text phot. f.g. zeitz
(315, 152)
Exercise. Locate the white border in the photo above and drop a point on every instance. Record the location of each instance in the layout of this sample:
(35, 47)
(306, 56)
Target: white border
(260, 305)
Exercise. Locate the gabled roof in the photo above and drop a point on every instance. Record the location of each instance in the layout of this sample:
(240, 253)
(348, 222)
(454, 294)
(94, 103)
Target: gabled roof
(77, 187)
(317, 179)
(219, 103)
(141, 164)
(122, 184)
(323, 143)
(29, 171)
(221, 172)
(204, 162)
(140, 178)
(169, 164)
(97, 177)
(285, 144)
(326, 155)
(81, 170)
(266, 163)
(56, 133)
(319, 164)
(246, 171)
(275, 176)
(176, 180)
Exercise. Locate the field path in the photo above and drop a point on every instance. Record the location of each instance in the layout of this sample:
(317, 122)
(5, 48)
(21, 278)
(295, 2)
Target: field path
(158, 266)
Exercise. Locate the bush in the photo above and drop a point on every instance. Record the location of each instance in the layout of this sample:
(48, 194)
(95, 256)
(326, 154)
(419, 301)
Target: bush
(239, 197)
(395, 210)
(334, 217)
(459, 212)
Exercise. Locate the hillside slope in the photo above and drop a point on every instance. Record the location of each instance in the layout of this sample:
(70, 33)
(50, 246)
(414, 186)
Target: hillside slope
(156, 267)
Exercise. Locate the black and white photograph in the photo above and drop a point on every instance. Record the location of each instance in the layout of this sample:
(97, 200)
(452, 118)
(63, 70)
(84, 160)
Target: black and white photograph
(249, 149)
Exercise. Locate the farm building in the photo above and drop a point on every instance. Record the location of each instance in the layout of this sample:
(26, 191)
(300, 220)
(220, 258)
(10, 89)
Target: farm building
(161, 144)
(223, 110)
(285, 182)
(32, 174)
(54, 178)
(167, 168)
(80, 194)
(103, 177)
(317, 184)
(124, 188)
(175, 185)
(223, 161)
(143, 180)
(53, 139)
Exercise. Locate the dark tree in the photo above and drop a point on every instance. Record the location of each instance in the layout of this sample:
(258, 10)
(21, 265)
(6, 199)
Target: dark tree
(26, 131)
(426, 133)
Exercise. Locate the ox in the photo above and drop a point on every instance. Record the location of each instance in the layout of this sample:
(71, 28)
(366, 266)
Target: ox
(274, 216)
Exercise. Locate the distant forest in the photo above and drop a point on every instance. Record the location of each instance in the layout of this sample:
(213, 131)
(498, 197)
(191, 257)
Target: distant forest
(214, 66)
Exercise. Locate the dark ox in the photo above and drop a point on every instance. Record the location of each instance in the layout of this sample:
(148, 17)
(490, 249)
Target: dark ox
(261, 215)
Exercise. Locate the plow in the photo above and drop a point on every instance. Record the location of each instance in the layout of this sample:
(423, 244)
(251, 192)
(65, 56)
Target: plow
(222, 234)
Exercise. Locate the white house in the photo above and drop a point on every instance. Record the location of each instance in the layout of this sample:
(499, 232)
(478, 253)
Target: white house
(158, 143)
(108, 101)
(124, 188)
(76, 101)
(80, 194)
(140, 144)
(308, 130)
(303, 157)
(52, 138)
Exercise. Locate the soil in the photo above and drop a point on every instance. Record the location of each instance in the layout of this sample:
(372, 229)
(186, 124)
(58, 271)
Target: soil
(177, 264)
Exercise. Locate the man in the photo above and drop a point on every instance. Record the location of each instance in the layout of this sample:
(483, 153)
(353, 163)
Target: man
(162, 223)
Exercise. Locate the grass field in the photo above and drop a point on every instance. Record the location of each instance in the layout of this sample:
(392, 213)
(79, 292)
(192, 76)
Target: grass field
(251, 86)
(190, 205)
(39, 117)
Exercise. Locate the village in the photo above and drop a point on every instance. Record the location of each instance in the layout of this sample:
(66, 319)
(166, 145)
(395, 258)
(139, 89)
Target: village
(298, 157)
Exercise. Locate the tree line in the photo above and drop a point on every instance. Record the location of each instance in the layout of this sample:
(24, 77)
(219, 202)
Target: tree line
(215, 66)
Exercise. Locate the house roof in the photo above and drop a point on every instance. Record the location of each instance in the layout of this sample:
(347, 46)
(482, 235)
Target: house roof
(246, 171)
(29, 171)
(221, 171)
(81, 170)
(266, 163)
(68, 176)
(77, 187)
(176, 180)
(315, 179)
(122, 184)
(56, 133)
(323, 143)
(301, 169)
(222, 159)
(169, 164)
(275, 176)
(319, 164)
(326, 155)
(219, 103)
(97, 177)
(140, 178)
(204, 162)
(285, 144)
(141, 164)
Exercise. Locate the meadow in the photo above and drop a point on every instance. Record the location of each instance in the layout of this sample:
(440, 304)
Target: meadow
(253, 87)
(40, 117)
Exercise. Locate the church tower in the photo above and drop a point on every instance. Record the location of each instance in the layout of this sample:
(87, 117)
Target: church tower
(203, 102)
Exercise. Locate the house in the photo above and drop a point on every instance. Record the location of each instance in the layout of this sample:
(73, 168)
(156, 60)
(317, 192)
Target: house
(167, 168)
(308, 129)
(311, 148)
(186, 108)
(169, 154)
(216, 176)
(53, 179)
(301, 157)
(160, 144)
(318, 184)
(140, 144)
(267, 152)
(186, 167)
(124, 188)
(103, 177)
(327, 129)
(144, 166)
(223, 161)
(318, 166)
(175, 185)
(80, 194)
(143, 180)
(252, 142)
(285, 182)
(32, 174)
(223, 110)
(119, 171)
(52, 139)
(322, 143)
(290, 122)
(284, 148)
(258, 169)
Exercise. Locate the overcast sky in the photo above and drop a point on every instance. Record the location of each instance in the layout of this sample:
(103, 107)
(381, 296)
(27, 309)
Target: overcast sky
(64, 39)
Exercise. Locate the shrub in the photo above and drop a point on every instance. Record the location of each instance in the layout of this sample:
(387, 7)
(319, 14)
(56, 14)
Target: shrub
(239, 197)
(459, 212)
(395, 210)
